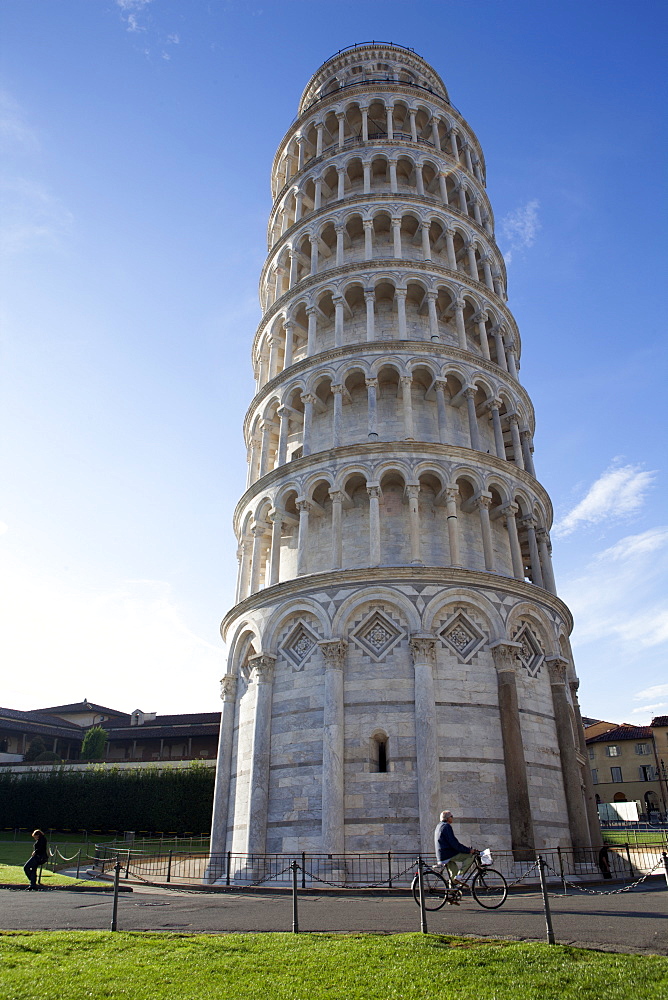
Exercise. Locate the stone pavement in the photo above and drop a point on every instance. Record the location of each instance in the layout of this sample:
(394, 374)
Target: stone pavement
(635, 921)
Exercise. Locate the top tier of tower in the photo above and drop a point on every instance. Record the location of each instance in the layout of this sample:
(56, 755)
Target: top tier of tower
(371, 62)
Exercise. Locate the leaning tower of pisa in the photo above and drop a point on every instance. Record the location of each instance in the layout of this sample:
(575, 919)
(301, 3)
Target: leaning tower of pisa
(397, 645)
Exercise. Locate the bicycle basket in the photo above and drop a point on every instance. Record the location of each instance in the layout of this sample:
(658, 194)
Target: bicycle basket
(486, 857)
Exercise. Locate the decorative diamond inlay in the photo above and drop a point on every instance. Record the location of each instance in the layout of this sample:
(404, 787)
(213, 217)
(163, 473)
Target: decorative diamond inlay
(299, 644)
(462, 636)
(377, 634)
(529, 654)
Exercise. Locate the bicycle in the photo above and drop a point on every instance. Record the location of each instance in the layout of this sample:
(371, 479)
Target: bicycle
(487, 886)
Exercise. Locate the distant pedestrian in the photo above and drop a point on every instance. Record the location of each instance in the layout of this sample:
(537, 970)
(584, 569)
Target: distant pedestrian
(39, 857)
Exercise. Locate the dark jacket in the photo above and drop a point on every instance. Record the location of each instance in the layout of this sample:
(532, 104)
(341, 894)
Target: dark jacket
(40, 849)
(446, 844)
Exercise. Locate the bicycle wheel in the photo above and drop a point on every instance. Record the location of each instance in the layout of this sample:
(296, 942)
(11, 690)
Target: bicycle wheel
(434, 889)
(489, 888)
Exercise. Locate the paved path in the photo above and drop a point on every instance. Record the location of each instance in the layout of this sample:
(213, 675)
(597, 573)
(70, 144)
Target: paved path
(635, 921)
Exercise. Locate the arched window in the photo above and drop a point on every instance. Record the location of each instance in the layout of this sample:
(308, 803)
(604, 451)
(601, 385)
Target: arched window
(379, 753)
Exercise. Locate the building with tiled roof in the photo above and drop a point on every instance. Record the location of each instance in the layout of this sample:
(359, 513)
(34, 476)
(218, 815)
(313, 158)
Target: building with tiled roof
(629, 763)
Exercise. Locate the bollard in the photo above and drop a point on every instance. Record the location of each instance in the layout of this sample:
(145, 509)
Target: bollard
(546, 901)
(423, 912)
(665, 865)
(295, 916)
(114, 910)
(303, 869)
(78, 862)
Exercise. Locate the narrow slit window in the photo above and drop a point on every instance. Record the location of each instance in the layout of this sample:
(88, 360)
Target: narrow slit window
(382, 757)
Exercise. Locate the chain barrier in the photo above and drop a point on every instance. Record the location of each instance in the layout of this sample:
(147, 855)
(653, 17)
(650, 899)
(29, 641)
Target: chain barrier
(369, 885)
(517, 881)
(597, 892)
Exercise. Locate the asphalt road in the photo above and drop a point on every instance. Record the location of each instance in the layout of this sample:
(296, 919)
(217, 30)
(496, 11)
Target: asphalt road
(635, 921)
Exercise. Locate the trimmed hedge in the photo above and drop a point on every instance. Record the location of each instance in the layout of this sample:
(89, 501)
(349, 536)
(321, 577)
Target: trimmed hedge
(176, 800)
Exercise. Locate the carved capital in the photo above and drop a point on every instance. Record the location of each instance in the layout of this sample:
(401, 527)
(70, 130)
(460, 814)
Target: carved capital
(262, 666)
(557, 667)
(368, 223)
(483, 500)
(406, 379)
(276, 515)
(470, 391)
(452, 492)
(304, 506)
(334, 652)
(228, 687)
(308, 398)
(374, 492)
(504, 653)
(369, 295)
(336, 389)
(528, 521)
(509, 509)
(337, 496)
(423, 648)
(259, 528)
(440, 384)
(413, 491)
(371, 383)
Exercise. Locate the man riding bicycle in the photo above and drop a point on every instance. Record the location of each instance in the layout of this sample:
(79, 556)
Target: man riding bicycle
(449, 852)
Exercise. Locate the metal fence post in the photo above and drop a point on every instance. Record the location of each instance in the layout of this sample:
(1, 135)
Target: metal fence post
(561, 871)
(169, 867)
(303, 869)
(389, 866)
(295, 915)
(229, 865)
(546, 901)
(423, 912)
(78, 862)
(114, 910)
(628, 858)
(665, 865)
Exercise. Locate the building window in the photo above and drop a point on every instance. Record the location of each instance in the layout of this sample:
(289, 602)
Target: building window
(594, 775)
(379, 754)
(647, 772)
(616, 773)
(642, 748)
(612, 751)
(591, 753)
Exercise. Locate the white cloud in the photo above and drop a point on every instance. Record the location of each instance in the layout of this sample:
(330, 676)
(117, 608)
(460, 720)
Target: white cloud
(618, 492)
(658, 691)
(126, 646)
(648, 711)
(518, 229)
(130, 12)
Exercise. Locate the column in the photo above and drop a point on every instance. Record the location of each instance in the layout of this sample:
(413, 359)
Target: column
(400, 296)
(257, 531)
(439, 389)
(510, 510)
(308, 400)
(467, 157)
(341, 120)
(289, 327)
(511, 358)
(371, 389)
(443, 187)
(336, 497)
(318, 141)
(424, 233)
(370, 299)
(368, 239)
(473, 420)
(500, 350)
(517, 444)
(337, 392)
(312, 314)
(333, 837)
(273, 355)
(435, 137)
(498, 433)
(396, 233)
(276, 518)
(517, 783)
(529, 523)
(340, 191)
(453, 144)
(450, 248)
(473, 265)
(338, 301)
(487, 271)
(459, 323)
(423, 652)
(390, 124)
(419, 180)
(527, 448)
(407, 403)
(411, 114)
(373, 489)
(412, 494)
(283, 430)
(366, 166)
(221, 792)
(266, 427)
(365, 124)
(314, 254)
(577, 816)
(304, 507)
(590, 796)
(483, 502)
(339, 245)
(262, 668)
(299, 199)
(294, 260)
(452, 495)
(300, 152)
(463, 206)
(317, 201)
(476, 212)
(243, 555)
(546, 559)
(480, 319)
(433, 316)
(394, 187)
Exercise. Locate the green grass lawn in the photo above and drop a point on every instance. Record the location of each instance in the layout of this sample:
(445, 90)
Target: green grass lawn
(14, 875)
(633, 837)
(96, 965)
(17, 852)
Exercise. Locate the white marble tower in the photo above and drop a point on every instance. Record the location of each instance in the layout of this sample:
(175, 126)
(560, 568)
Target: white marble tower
(397, 646)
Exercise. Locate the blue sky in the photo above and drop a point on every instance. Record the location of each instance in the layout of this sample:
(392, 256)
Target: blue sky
(137, 140)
